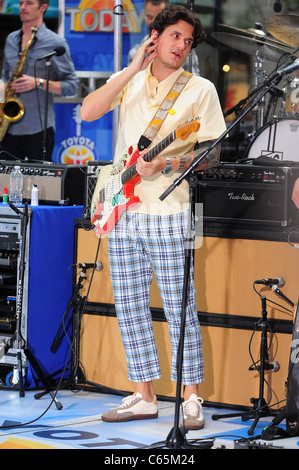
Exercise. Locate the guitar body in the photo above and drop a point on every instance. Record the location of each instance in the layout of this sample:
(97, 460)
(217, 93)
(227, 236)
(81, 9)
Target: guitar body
(111, 197)
(114, 191)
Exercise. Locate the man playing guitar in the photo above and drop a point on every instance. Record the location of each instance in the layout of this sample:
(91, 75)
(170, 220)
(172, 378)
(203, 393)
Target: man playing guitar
(150, 235)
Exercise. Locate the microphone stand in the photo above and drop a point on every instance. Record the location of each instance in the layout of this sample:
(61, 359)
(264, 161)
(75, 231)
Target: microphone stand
(260, 407)
(176, 438)
(44, 142)
(77, 377)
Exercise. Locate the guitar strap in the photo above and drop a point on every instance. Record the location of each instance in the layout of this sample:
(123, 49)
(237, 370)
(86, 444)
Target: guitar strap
(155, 124)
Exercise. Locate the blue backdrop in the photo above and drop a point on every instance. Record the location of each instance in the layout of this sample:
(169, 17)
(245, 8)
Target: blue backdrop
(49, 287)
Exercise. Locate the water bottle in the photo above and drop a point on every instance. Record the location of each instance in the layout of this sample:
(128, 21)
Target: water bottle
(16, 186)
(34, 195)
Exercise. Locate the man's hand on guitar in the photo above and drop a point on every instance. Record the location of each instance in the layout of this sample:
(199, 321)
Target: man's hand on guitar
(144, 168)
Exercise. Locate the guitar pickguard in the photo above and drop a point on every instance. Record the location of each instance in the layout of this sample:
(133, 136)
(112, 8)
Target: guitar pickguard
(110, 200)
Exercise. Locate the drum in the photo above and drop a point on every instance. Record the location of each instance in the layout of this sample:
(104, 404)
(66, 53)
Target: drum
(277, 139)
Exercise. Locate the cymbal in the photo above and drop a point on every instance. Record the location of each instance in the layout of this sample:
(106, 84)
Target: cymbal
(251, 32)
(252, 45)
(245, 32)
(285, 28)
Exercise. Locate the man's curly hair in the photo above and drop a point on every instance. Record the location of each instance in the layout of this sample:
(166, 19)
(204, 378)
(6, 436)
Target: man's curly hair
(172, 14)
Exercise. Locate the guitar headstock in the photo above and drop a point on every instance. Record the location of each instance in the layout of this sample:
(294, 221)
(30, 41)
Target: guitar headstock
(184, 130)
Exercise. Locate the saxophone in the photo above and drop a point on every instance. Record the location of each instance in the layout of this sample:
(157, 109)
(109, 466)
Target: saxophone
(12, 109)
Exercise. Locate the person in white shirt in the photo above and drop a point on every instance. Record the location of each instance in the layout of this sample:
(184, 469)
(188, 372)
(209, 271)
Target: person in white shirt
(151, 236)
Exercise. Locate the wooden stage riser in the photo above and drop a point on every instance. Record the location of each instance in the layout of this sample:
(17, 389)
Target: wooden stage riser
(225, 270)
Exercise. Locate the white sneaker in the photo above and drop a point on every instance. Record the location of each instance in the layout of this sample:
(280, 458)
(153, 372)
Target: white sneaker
(192, 413)
(133, 407)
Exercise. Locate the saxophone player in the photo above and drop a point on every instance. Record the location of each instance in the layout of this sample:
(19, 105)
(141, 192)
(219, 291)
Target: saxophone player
(24, 136)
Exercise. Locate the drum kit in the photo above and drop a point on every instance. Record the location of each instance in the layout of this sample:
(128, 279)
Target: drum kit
(277, 137)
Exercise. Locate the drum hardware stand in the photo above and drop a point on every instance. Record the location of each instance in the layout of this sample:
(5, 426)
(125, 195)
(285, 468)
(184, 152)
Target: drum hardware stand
(176, 438)
(257, 108)
(236, 109)
(259, 74)
(17, 341)
(276, 93)
(260, 407)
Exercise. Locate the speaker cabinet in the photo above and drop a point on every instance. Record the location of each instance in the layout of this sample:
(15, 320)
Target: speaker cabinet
(226, 357)
(57, 183)
(228, 308)
(225, 269)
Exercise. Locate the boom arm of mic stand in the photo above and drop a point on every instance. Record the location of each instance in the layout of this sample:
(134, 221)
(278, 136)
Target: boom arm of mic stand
(44, 142)
(197, 160)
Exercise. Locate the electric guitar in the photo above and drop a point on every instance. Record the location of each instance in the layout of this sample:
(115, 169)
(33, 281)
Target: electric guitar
(114, 191)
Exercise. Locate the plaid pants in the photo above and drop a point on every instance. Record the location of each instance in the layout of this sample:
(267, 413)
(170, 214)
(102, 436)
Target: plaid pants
(139, 245)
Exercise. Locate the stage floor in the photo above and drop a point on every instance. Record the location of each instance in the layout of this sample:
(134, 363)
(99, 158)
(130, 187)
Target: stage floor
(30, 423)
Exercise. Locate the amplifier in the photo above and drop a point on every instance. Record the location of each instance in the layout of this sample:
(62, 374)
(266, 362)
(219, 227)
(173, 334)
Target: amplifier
(58, 183)
(249, 194)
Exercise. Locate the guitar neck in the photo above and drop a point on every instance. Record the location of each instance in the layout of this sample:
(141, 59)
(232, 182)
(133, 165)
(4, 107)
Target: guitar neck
(149, 156)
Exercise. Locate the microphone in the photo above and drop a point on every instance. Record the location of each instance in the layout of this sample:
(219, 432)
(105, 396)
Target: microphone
(98, 266)
(278, 292)
(274, 365)
(279, 281)
(288, 69)
(277, 6)
(58, 51)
